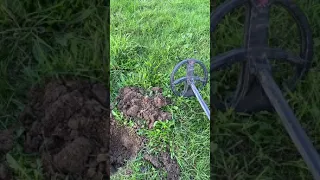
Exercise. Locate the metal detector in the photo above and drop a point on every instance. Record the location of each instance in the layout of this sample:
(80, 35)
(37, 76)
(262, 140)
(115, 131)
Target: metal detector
(256, 89)
(189, 81)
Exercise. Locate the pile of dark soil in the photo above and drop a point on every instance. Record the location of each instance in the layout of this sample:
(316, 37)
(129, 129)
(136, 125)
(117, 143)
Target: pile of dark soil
(164, 161)
(68, 124)
(127, 149)
(135, 104)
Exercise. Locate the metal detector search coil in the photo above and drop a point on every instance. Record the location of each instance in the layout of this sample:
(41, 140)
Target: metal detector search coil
(257, 90)
(189, 81)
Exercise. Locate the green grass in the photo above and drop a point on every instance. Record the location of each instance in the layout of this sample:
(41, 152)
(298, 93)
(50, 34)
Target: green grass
(257, 146)
(41, 39)
(148, 38)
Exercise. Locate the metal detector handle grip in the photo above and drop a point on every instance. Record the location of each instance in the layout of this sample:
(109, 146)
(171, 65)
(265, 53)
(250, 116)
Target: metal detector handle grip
(292, 125)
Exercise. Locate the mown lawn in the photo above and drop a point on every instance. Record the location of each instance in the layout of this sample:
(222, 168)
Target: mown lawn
(257, 146)
(148, 38)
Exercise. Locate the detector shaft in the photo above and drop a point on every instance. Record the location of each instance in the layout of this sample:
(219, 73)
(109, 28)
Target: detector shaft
(201, 101)
(290, 122)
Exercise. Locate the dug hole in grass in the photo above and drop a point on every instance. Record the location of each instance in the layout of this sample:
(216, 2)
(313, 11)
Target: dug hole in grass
(148, 38)
(65, 40)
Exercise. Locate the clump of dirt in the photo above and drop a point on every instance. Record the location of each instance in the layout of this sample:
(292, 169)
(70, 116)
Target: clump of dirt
(134, 103)
(68, 123)
(6, 140)
(163, 161)
(125, 145)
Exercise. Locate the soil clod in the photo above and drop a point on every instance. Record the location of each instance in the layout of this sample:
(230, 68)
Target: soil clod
(125, 145)
(164, 161)
(68, 124)
(134, 103)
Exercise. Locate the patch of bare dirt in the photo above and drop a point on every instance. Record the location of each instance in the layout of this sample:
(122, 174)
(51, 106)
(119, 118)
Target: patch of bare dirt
(125, 145)
(133, 102)
(164, 161)
(67, 122)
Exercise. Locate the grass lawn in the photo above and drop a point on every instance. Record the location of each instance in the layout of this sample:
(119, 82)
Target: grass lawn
(257, 146)
(45, 39)
(148, 38)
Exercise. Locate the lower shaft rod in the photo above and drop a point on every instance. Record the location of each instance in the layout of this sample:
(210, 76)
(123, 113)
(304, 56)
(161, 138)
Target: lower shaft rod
(201, 101)
(290, 122)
